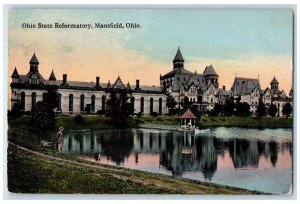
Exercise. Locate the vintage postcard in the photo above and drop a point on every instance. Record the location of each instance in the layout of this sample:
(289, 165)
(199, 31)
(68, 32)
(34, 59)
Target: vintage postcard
(150, 101)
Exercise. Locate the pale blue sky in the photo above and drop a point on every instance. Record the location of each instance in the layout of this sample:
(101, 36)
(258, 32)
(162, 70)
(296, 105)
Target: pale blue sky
(246, 42)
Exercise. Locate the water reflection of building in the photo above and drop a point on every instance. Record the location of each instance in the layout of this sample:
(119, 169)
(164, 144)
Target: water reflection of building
(245, 153)
(85, 142)
(117, 145)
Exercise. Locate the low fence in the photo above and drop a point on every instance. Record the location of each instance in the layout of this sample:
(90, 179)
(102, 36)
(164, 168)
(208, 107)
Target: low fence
(161, 127)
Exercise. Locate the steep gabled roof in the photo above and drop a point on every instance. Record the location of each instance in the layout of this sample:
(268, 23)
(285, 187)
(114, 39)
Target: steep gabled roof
(34, 59)
(188, 115)
(118, 84)
(244, 86)
(52, 76)
(15, 73)
(178, 56)
(209, 70)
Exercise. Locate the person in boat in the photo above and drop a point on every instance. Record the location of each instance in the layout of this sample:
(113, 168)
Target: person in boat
(59, 139)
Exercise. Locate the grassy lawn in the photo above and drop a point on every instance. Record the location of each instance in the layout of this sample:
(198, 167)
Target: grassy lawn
(247, 122)
(29, 173)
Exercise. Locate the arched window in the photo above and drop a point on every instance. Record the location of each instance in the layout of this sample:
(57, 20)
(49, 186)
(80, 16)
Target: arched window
(142, 105)
(33, 100)
(151, 105)
(71, 102)
(103, 103)
(22, 100)
(93, 103)
(81, 102)
(132, 105)
(59, 102)
(160, 106)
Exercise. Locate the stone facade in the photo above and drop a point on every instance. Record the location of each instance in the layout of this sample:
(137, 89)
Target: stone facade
(201, 90)
(74, 96)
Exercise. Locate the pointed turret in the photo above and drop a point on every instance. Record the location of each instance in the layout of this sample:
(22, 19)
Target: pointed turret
(274, 85)
(34, 64)
(34, 59)
(178, 61)
(211, 76)
(274, 81)
(15, 73)
(52, 76)
(128, 86)
(108, 84)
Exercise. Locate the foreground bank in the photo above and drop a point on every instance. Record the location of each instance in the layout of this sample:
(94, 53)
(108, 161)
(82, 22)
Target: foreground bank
(32, 172)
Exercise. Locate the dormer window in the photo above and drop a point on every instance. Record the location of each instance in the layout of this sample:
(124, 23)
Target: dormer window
(34, 79)
(193, 89)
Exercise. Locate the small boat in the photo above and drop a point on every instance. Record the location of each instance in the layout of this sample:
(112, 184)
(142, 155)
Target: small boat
(201, 130)
(187, 151)
(186, 129)
(45, 143)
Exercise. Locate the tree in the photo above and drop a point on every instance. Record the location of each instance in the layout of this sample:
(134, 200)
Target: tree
(171, 104)
(287, 109)
(42, 114)
(118, 107)
(261, 108)
(217, 109)
(243, 109)
(186, 103)
(229, 106)
(273, 110)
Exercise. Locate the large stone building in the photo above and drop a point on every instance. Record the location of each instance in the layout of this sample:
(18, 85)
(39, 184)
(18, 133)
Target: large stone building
(201, 90)
(74, 96)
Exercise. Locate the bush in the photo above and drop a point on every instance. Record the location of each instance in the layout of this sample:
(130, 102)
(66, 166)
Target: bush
(139, 114)
(78, 119)
(154, 114)
(101, 112)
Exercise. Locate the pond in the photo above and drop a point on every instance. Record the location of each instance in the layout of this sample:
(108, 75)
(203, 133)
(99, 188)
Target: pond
(247, 158)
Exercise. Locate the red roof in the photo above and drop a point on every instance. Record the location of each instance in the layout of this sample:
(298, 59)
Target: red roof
(188, 115)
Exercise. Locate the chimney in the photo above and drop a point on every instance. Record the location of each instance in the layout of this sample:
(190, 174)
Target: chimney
(97, 81)
(137, 86)
(224, 87)
(64, 78)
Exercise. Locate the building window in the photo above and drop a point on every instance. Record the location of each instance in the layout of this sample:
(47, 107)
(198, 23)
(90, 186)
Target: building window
(71, 102)
(22, 100)
(160, 106)
(59, 102)
(93, 103)
(103, 103)
(81, 102)
(34, 79)
(142, 105)
(211, 100)
(132, 105)
(33, 100)
(151, 105)
(193, 89)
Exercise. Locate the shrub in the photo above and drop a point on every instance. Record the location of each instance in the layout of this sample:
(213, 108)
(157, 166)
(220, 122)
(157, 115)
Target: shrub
(78, 119)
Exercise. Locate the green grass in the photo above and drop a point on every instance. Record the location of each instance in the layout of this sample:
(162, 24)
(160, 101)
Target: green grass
(246, 122)
(30, 174)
